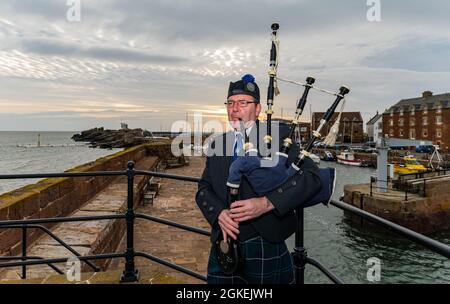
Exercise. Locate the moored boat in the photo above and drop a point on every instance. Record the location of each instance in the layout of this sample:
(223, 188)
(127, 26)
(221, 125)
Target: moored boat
(409, 165)
(348, 158)
(327, 156)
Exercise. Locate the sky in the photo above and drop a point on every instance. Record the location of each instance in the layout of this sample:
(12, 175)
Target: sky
(151, 63)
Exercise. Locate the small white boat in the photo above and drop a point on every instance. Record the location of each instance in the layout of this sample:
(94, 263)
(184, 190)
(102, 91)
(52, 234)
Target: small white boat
(327, 156)
(315, 158)
(348, 158)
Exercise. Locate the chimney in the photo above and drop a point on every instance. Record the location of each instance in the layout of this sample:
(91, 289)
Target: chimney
(427, 94)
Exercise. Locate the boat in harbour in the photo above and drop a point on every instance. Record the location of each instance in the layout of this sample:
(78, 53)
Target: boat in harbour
(409, 165)
(327, 156)
(348, 158)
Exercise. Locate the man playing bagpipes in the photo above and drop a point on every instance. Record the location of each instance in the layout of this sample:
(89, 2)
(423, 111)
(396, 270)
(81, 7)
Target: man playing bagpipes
(252, 193)
(260, 224)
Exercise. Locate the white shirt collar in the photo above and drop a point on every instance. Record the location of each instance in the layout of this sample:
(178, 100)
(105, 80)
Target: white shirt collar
(247, 131)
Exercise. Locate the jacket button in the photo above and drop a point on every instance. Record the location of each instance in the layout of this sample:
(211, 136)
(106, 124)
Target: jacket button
(205, 204)
(294, 183)
(280, 190)
(211, 209)
(201, 193)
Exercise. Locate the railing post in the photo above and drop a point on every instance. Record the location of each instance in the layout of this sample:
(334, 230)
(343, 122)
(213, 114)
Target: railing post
(24, 251)
(130, 274)
(300, 254)
(371, 181)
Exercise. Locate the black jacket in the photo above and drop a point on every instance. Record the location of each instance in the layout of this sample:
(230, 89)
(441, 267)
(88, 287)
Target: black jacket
(274, 226)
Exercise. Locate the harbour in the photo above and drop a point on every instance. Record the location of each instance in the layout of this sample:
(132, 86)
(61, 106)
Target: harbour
(345, 246)
(330, 237)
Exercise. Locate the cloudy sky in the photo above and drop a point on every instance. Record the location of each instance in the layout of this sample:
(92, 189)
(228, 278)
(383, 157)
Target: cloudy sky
(150, 63)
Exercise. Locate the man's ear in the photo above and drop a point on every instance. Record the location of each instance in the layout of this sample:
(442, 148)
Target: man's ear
(258, 109)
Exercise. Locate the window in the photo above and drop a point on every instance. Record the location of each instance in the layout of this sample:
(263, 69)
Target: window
(380, 125)
(411, 110)
(425, 110)
(439, 108)
(438, 133)
(424, 133)
(401, 112)
(412, 134)
(439, 120)
(391, 122)
(391, 132)
(401, 133)
(400, 122)
(425, 121)
(417, 106)
(412, 121)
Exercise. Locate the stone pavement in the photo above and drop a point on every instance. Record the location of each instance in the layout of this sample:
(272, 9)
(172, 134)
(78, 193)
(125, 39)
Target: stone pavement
(146, 276)
(175, 202)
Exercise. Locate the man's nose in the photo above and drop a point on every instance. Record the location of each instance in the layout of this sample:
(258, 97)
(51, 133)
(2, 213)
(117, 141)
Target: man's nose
(236, 107)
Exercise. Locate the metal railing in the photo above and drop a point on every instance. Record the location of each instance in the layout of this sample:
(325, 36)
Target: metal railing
(425, 174)
(131, 274)
(399, 185)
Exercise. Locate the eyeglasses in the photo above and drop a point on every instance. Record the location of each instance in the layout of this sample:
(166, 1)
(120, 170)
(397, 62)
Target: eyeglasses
(242, 103)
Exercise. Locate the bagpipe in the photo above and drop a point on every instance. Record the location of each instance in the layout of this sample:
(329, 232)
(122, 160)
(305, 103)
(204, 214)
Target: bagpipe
(266, 174)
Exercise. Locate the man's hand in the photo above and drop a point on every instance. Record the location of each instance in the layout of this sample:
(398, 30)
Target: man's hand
(228, 225)
(250, 208)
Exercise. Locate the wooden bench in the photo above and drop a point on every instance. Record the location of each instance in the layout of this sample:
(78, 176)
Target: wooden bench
(150, 190)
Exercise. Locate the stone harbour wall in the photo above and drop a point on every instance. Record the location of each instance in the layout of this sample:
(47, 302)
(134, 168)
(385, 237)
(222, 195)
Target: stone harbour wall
(422, 214)
(58, 197)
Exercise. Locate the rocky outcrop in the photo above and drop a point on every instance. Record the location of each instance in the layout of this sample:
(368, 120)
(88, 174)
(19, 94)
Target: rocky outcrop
(108, 139)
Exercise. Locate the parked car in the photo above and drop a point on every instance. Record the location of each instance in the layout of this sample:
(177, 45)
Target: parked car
(340, 146)
(369, 148)
(424, 149)
(398, 148)
(370, 144)
(357, 149)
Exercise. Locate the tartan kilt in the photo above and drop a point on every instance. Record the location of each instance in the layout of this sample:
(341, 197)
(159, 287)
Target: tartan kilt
(264, 263)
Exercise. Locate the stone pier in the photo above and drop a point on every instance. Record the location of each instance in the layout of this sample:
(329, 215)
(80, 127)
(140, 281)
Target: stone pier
(74, 197)
(175, 202)
(423, 214)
